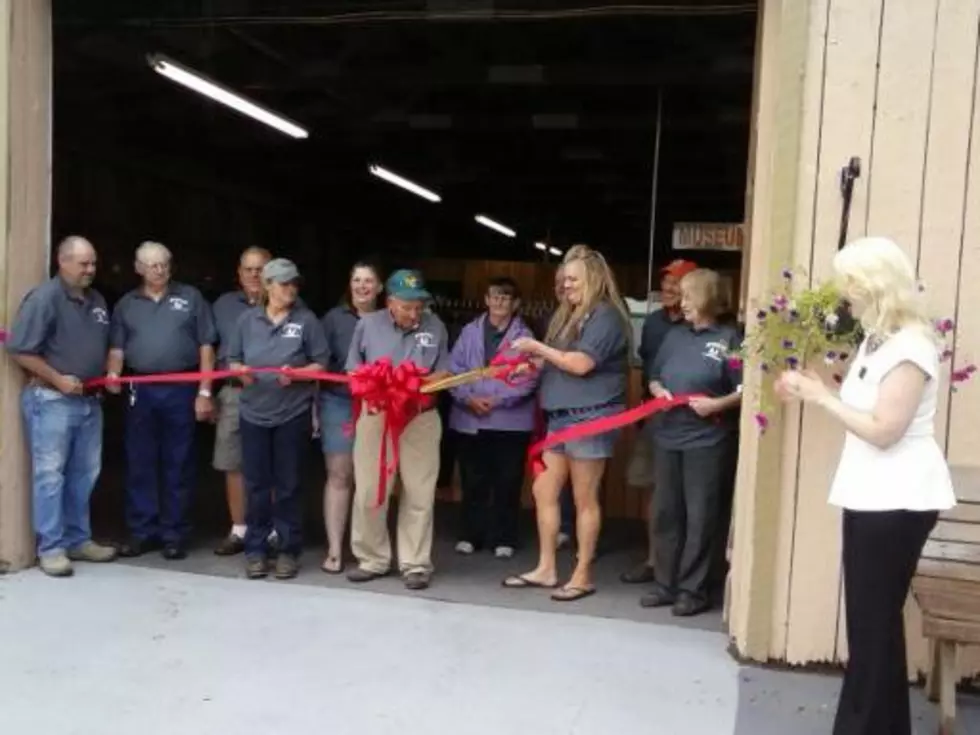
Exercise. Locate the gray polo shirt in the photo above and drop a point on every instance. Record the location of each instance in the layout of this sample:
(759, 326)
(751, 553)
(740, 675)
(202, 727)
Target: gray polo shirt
(696, 361)
(338, 327)
(296, 341)
(227, 310)
(71, 334)
(655, 329)
(377, 336)
(162, 336)
(603, 337)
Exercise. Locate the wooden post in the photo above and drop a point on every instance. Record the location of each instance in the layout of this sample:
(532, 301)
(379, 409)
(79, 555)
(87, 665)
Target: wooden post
(25, 200)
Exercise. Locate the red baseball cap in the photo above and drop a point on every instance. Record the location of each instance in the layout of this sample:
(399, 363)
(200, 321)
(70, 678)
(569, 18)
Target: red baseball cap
(679, 268)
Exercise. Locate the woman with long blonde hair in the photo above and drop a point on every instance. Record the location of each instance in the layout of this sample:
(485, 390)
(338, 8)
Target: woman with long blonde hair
(583, 377)
(892, 479)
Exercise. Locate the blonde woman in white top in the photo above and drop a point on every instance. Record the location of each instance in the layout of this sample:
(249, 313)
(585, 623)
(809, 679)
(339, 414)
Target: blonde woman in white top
(892, 478)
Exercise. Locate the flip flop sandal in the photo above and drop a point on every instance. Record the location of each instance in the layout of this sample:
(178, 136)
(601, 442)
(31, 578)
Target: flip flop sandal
(328, 569)
(521, 582)
(573, 594)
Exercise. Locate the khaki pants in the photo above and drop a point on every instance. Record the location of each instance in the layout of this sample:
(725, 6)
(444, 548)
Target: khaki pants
(419, 471)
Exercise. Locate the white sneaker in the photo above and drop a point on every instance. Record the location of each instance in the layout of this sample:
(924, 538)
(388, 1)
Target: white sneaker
(465, 548)
(504, 552)
(564, 540)
(56, 565)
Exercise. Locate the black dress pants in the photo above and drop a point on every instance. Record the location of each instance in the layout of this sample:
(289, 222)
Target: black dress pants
(687, 499)
(491, 468)
(881, 552)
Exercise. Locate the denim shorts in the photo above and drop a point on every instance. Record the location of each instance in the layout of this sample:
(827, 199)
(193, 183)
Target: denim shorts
(336, 432)
(599, 446)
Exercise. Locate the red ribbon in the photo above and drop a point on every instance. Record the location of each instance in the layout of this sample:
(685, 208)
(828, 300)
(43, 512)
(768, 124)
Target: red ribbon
(197, 377)
(512, 369)
(394, 392)
(601, 426)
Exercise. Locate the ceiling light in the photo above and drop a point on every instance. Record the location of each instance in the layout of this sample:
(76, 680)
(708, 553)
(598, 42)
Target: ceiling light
(391, 177)
(487, 222)
(555, 251)
(541, 246)
(202, 85)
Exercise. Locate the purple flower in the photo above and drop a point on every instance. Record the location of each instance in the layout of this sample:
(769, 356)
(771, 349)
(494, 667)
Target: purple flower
(761, 314)
(944, 326)
(764, 367)
(787, 274)
(761, 421)
(792, 363)
(787, 344)
(779, 303)
(793, 315)
(830, 357)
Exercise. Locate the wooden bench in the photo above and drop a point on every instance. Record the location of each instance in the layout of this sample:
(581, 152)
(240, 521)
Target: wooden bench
(947, 588)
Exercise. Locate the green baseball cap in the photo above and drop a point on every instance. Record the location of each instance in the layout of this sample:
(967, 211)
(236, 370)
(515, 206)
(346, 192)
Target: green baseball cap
(407, 285)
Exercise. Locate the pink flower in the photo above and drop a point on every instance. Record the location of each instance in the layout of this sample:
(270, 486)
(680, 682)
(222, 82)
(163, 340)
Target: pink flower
(944, 326)
(945, 355)
(3, 336)
(734, 362)
(761, 421)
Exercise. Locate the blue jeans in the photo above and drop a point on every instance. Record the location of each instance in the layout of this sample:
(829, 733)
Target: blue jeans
(65, 438)
(160, 425)
(272, 458)
(336, 431)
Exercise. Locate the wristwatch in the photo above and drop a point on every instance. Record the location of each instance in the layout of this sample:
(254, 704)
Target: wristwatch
(204, 393)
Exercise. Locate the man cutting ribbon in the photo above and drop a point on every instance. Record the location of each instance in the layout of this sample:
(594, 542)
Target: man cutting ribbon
(405, 334)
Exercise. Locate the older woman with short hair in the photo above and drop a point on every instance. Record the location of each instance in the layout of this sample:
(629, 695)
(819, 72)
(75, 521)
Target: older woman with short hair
(695, 446)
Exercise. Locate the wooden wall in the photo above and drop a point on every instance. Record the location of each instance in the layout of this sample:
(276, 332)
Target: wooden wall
(25, 114)
(895, 83)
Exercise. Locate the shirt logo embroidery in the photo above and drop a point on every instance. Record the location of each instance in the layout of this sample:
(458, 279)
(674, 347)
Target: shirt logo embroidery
(100, 315)
(716, 350)
(292, 330)
(179, 304)
(425, 339)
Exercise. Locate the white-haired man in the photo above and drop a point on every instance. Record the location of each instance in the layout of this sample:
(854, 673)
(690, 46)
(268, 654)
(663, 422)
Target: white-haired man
(161, 327)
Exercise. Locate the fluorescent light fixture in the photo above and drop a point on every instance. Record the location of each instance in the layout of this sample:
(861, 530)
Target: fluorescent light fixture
(487, 222)
(541, 246)
(393, 178)
(555, 251)
(202, 85)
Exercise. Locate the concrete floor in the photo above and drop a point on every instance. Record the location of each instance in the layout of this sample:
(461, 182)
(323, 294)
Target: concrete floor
(192, 648)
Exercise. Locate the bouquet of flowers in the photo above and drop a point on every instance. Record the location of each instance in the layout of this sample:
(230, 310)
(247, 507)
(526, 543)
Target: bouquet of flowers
(800, 325)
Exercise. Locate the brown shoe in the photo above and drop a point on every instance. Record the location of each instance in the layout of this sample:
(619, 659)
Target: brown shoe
(93, 552)
(256, 567)
(287, 566)
(230, 545)
(417, 581)
(359, 575)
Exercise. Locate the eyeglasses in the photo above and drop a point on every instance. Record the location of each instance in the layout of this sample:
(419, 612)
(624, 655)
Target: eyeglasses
(501, 297)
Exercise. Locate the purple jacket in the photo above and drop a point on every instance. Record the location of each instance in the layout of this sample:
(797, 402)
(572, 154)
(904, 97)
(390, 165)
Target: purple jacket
(514, 405)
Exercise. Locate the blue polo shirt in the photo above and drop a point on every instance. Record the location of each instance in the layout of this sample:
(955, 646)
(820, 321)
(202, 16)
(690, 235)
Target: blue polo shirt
(70, 333)
(163, 336)
(696, 361)
(655, 329)
(296, 341)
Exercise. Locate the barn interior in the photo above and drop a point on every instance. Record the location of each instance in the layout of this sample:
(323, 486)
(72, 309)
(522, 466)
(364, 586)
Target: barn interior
(567, 122)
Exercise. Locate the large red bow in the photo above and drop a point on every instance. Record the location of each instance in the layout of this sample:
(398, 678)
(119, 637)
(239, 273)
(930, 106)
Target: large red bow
(511, 369)
(394, 392)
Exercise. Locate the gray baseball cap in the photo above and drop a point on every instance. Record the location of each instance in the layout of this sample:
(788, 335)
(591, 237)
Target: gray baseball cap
(280, 270)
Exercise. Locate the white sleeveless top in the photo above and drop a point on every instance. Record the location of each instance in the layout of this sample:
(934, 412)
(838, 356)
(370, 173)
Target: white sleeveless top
(912, 474)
